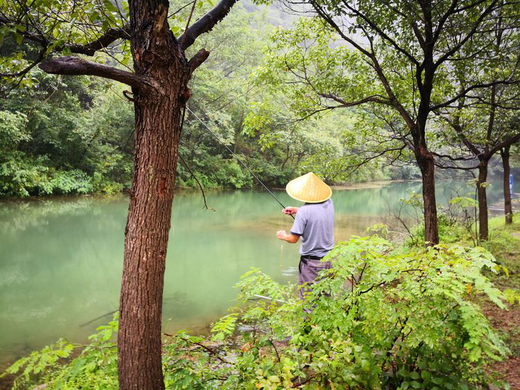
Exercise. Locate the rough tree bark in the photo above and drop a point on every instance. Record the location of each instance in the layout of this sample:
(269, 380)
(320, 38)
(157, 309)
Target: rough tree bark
(160, 92)
(157, 118)
(508, 210)
(159, 58)
(482, 199)
(431, 230)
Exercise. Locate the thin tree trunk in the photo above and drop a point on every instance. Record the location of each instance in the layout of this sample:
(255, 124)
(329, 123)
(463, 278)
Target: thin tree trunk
(508, 210)
(482, 200)
(431, 231)
(238, 131)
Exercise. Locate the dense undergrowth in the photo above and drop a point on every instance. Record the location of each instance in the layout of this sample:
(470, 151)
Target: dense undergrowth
(386, 317)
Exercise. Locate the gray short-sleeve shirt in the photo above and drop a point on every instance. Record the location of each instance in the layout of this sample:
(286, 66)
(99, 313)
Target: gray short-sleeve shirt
(314, 222)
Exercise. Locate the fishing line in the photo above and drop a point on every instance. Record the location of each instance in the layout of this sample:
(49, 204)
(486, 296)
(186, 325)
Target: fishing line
(238, 159)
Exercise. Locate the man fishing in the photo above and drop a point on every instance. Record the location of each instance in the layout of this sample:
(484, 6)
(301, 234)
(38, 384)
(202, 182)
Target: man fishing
(314, 223)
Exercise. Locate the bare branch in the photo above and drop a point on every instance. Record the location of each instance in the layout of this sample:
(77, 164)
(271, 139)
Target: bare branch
(198, 183)
(26, 70)
(508, 142)
(73, 66)
(344, 103)
(462, 158)
(102, 42)
(471, 88)
(206, 23)
(188, 22)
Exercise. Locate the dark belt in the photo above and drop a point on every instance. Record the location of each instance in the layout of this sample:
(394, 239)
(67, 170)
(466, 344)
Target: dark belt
(307, 257)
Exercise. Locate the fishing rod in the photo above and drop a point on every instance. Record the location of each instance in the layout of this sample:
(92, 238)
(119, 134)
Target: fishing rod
(238, 159)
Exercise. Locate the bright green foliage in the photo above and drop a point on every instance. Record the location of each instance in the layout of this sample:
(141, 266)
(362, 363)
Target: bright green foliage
(61, 24)
(224, 327)
(95, 368)
(39, 362)
(73, 137)
(54, 127)
(381, 319)
(12, 128)
(318, 75)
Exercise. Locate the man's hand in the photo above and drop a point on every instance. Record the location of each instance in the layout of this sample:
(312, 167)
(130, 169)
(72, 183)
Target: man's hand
(281, 234)
(291, 238)
(290, 210)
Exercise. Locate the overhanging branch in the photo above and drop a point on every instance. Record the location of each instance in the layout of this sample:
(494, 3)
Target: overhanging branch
(110, 36)
(471, 88)
(344, 103)
(74, 66)
(206, 23)
(102, 42)
(508, 142)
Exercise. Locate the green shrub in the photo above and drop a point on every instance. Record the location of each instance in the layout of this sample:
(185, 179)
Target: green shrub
(102, 184)
(231, 175)
(381, 319)
(21, 175)
(74, 181)
(95, 367)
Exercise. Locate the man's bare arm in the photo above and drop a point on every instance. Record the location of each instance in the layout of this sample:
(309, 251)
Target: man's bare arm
(289, 237)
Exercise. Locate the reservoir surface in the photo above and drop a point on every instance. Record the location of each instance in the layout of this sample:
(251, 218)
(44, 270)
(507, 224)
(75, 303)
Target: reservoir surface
(61, 258)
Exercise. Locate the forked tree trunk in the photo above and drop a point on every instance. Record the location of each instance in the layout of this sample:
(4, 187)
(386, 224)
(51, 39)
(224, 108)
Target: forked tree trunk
(482, 200)
(508, 210)
(431, 231)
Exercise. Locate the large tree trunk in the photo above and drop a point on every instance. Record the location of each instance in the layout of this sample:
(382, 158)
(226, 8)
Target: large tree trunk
(158, 107)
(482, 200)
(431, 230)
(160, 92)
(146, 241)
(508, 210)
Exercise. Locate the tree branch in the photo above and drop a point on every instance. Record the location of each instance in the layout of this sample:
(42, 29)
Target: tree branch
(206, 23)
(90, 49)
(335, 26)
(73, 66)
(344, 103)
(507, 142)
(198, 59)
(471, 88)
(472, 32)
(444, 19)
(381, 32)
(102, 42)
(462, 158)
(27, 69)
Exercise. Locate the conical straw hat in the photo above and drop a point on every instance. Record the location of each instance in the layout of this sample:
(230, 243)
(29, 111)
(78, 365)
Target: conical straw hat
(309, 188)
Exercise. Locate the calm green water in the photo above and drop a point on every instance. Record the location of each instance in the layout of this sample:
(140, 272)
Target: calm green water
(61, 259)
